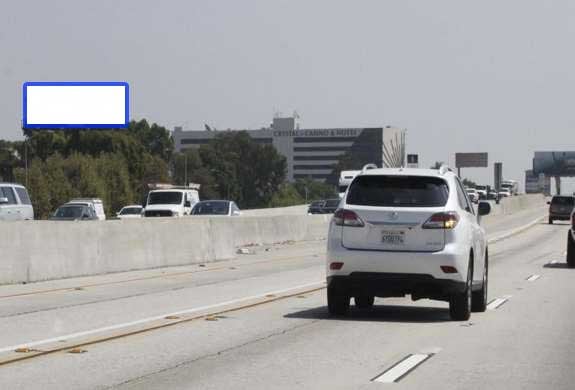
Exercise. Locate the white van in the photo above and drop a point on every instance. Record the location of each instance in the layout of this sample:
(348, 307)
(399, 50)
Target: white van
(96, 204)
(166, 200)
(15, 204)
(345, 179)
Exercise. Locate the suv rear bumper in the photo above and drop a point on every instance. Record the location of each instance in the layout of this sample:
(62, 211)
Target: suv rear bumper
(560, 217)
(394, 285)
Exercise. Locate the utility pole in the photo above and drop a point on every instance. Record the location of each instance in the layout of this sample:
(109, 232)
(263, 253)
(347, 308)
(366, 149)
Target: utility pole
(26, 159)
(26, 133)
(185, 169)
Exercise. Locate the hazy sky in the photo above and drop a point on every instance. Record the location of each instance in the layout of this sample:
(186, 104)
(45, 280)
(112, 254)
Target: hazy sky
(461, 76)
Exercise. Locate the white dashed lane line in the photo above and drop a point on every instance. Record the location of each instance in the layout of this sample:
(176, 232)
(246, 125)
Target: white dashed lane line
(402, 368)
(497, 302)
(533, 278)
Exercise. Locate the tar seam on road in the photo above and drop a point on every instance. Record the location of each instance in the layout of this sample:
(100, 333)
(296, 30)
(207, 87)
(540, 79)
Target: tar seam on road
(277, 295)
(514, 232)
(166, 275)
(402, 368)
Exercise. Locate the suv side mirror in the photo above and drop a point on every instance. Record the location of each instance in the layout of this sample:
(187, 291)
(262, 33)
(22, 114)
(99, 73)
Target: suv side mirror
(236, 212)
(187, 203)
(483, 208)
(548, 202)
(3, 200)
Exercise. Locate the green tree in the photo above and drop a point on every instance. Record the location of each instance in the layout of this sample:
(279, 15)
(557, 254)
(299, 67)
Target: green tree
(469, 183)
(287, 195)
(155, 138)
(314, 190)
(244, 171)
(189, 168)
(112, 168)
(38, 187)
(9, 160)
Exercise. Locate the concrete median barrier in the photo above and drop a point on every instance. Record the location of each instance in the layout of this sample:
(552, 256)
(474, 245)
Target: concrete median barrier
(43, 250)
(514, 204)
(274, 211)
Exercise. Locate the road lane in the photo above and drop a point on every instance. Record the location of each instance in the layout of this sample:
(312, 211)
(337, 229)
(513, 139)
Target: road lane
(292, 342)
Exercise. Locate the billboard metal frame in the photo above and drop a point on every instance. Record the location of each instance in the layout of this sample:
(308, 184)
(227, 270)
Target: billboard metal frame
(62, 126)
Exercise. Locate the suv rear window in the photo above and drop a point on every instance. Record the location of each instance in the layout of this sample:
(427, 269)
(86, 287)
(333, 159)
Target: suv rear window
(565, 200)
(23, 195)
(398, 191)
(8, 192)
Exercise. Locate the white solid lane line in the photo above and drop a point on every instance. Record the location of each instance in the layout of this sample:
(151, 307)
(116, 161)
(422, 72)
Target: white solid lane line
(402, 368)
(533, 278)
(494, 304)
(214, 308)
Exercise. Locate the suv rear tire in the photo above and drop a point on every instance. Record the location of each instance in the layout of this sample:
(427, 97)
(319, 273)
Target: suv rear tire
(337, 303)
(479, 298)
(364, 301)
(460, 303)
(570, 251)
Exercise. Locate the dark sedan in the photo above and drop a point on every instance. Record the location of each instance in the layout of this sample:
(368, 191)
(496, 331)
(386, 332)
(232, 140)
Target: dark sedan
(330, 206)
(316, 207)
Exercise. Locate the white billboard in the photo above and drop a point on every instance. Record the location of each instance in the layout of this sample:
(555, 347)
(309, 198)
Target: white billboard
(50, 105)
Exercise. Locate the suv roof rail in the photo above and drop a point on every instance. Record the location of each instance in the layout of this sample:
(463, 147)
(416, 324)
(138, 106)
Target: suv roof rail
(368, 167)
(167, 186)
(444, 169)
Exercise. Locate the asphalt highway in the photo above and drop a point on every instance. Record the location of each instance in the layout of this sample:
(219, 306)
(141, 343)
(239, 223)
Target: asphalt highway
(260, 322)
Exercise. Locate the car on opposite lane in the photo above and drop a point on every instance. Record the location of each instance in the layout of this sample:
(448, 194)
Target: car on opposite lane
(330, 206)
(316, 207)
(216, 207)
(130, 212)
(15, 204)
(407, 231)
(74, 212)
(472, 194)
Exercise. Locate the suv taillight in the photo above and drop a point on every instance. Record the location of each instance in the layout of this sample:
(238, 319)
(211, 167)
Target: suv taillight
(447, 220)
(343, 217)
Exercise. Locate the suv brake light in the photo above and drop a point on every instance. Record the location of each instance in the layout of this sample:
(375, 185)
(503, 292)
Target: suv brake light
(343, 217)
(447, 220)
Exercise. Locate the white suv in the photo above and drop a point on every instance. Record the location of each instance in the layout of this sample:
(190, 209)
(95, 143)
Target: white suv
(405, 231)
(15, 204)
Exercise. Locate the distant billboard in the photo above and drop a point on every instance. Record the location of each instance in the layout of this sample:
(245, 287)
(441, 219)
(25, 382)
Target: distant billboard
(554, 163)
(469, 160)
(537, 183)
(413, 161)
(58, 105)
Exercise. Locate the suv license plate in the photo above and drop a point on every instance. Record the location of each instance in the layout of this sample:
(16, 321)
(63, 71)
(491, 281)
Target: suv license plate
(393, 238)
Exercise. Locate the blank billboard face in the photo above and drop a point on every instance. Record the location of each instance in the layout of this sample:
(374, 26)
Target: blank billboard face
(554, 163)
(49, 105)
